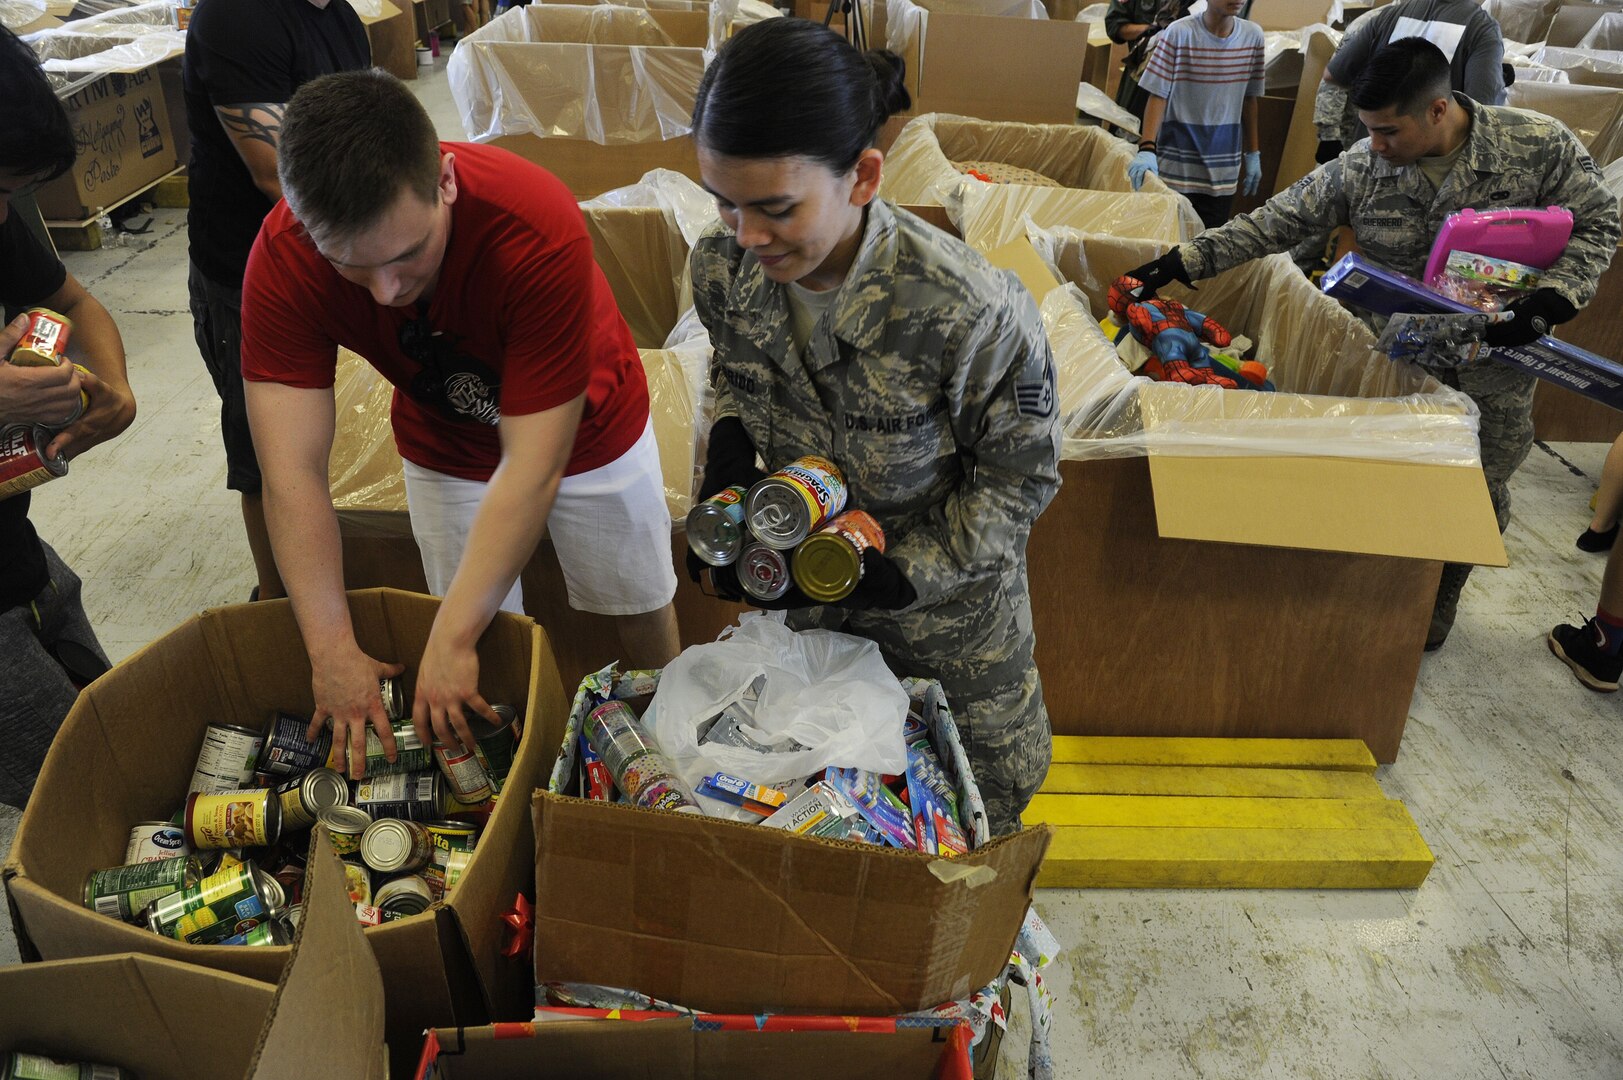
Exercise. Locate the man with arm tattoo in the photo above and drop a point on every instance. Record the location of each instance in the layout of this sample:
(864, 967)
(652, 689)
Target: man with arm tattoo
(244, 60)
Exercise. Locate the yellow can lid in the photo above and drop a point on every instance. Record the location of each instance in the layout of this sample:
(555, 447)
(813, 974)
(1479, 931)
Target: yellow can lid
(826, 567)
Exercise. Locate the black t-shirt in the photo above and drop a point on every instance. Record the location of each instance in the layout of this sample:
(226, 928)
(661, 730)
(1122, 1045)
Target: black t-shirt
(239, 52)
(29, 274)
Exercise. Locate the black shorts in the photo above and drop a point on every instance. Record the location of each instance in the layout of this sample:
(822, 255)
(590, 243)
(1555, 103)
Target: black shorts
(217, 323)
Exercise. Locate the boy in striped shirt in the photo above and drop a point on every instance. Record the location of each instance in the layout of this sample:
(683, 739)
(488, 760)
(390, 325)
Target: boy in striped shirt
(1200, 125)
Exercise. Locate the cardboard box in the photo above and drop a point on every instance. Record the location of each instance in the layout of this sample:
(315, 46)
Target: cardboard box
(1293, 14)
(1593, 113)
(127, 748)
(164, 1020)
(962, 56)
(1573, 21)
(673, 1049)
(598, 96)
(431, 16)
(121, 126)
(393, 37)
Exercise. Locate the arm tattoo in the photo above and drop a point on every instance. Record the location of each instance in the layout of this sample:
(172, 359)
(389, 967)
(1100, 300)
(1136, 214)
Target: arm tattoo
(257, 122)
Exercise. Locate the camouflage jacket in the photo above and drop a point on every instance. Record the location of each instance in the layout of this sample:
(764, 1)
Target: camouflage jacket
(929, 381)
(1512, 158)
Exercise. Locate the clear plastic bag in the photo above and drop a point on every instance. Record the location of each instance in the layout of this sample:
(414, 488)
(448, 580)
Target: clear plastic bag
(1593, 113)
(1523, 20)
(830, 693)
(121, 40)
(16, 14)
(1587, 59)
(1606, 35)
(994, 214)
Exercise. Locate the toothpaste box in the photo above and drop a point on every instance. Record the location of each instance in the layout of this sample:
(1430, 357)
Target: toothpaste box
(820, 810)
(740, 792)
(1357, 281)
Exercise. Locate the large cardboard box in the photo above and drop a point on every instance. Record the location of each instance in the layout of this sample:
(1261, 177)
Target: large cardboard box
(392, 35)
(121, 126)
(126, 750)
(677, 1050)
(1593, 113)
(1573, 21)
(597, 95)
(992, 59)
(164, 1020)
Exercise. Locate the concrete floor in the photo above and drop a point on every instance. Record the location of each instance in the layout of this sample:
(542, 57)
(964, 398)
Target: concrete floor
(1508, 962)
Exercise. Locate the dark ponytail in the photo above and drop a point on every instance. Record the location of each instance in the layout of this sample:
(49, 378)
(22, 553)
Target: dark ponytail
(794, 88)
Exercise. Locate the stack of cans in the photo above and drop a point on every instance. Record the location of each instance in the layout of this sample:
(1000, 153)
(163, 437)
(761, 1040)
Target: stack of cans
(228, 868)
(791, 527)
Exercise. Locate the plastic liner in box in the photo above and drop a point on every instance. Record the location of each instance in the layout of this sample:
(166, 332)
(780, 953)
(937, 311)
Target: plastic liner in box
(121, 40)
(1337, 396)
(1603, 60)
(994, 214)
(1523, 20)
(1606, 35)
(689, 211)
(531, 71)
(16, 14)
(1593, 113)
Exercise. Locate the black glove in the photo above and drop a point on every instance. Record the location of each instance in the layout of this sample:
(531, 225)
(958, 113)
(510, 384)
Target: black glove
(883, 586)
(1537, 313)
(1329, 150)
(1161, 273)
(730, 459)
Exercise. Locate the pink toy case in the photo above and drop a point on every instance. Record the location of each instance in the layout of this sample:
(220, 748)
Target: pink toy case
(1533, 238)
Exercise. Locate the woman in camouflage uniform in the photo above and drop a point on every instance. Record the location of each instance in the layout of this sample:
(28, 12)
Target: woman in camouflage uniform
(847, 328)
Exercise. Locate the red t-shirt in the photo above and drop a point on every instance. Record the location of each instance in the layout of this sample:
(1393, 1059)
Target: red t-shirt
(518, 295)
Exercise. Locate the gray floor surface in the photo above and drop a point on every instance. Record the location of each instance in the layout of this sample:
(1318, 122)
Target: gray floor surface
(1507, 962)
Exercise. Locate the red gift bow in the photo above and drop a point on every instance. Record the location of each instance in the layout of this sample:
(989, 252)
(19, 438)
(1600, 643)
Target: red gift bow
(521, 918)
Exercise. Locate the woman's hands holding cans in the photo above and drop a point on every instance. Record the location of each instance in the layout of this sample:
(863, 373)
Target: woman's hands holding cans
(346, 689)
(448, 689)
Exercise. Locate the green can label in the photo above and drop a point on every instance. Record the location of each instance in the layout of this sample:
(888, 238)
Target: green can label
(216, 908)
(123, 891)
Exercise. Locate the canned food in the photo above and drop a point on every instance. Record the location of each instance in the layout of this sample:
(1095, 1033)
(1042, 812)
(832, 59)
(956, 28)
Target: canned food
(496, 744)
(447, 837)
(358, 880)
(233, 819)
(715, 527)
(154, 840)
(792, 503)
(344, 825)
(23, 464)
(287, 752)
(393, 692)
(416, 796)
(227, 759)
(396, 846)
(303, 798)
(478, 815)
(763, 572)
(123, 891)
(456, 864)
(640, 771)
(367, 915)
(465, 775)
(410, 753)
(273, 932)
(21, 1066)
(220, 906)
(403, 895)
(295, 912)
(828, 563)
(44, 340)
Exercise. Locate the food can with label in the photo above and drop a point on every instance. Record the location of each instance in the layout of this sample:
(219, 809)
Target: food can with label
(344, 825)
(233, 819)
(358, 881)
(715, 527)
(396, 846)
(154, 840)
(410, 753)
(23, 464)
(287, 752)
(419, 796)
(20, 1066)
(448, 837)
(393, 692)
(406, 895)
(272, 932)
(45, 339)
(227, 759)
(303, 798)
(496, 745)
(123, 891)
(828, 563)
(794, 502)
(220, 906)
(465, 775)
(763, 572)
(640, 771)
(295, 912)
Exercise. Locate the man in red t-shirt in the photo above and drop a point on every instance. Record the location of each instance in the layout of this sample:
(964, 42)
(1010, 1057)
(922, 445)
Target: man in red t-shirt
(465, 276)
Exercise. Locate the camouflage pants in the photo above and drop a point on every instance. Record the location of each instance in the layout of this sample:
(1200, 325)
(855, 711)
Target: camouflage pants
(1505, 396)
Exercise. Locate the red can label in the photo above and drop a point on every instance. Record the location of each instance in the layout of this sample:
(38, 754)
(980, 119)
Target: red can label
(859, 529)
(44, 340)
(23, 464)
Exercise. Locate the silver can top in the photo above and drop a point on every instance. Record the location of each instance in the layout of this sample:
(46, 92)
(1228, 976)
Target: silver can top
(323, 788)
(777, 514)
(388, 845)
(345, 819)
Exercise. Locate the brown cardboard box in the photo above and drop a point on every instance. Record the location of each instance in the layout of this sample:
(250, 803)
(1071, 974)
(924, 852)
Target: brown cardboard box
(596, 95)
(726, 917)
(1290, 14)
(164, 1020)
(672, 1050)
(121, 125)
(1573, 21)
(393, 38)
(127, 748)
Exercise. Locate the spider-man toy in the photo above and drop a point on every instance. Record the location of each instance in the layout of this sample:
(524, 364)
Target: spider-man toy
(1174, 336)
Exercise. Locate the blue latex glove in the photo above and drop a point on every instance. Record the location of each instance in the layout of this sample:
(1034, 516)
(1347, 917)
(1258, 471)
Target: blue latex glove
(1143, 162)
(1251, 173)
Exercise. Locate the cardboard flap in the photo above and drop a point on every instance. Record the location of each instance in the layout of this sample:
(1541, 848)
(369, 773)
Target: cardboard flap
(1395, 508)
(966, 58)
(1018, 255)
(329, 1006)
(727, 917)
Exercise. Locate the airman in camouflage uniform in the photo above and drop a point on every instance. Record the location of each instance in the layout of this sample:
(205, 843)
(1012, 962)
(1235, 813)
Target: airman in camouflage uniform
(930, 383)
(1512, 158)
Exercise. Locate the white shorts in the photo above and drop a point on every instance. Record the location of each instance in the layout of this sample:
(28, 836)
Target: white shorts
(610, 526)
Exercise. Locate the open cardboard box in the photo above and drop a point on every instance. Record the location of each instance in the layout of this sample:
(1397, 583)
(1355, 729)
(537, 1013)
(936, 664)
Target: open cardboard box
(392, 35)
(597, 95)
(675, 1050)
(127, 749)
(164, 1020)
(1175, 511)
(1593, 113)
(994, 59)
(1573, 21)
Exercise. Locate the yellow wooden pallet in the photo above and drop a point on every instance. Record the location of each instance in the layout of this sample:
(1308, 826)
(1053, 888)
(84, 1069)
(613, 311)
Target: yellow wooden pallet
(1223, 813)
